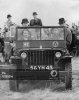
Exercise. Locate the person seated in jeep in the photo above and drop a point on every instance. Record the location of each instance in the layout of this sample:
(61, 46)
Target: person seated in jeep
(25, 22)
(62, 22)
(25, 33)
(56, 34)
(29, 34)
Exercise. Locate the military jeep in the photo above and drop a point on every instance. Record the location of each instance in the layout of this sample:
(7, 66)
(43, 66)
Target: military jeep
(40, 53)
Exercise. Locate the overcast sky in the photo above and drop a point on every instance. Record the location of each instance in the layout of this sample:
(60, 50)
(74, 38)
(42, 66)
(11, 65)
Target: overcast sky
(49, 10)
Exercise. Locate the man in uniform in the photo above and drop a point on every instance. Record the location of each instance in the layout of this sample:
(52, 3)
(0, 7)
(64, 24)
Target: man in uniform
(8, 23)
(36, 21)
(68, 33)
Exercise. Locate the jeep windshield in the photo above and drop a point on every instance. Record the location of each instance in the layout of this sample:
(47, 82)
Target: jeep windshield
(41, 33)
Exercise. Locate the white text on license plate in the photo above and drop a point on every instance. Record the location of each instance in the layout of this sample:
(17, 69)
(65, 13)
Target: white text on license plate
(41, 67)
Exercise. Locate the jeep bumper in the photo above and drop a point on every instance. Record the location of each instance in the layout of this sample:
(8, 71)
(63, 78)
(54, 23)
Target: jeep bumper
(38, 75)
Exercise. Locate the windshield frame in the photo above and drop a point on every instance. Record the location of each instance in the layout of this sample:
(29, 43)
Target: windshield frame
(33, 27)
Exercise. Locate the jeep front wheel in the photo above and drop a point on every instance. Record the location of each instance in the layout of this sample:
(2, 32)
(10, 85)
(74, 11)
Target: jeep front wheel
(14, 85)
(68, 77)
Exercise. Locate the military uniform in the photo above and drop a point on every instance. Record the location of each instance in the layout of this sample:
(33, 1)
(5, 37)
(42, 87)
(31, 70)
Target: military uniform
(68, 33)
(37, 22)
(68, 36)
(7, 25)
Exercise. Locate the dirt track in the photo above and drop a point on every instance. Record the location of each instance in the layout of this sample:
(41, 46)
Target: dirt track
(41, 90)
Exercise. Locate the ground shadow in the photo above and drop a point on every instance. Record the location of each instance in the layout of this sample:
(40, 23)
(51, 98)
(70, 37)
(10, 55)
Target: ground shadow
(30, 85)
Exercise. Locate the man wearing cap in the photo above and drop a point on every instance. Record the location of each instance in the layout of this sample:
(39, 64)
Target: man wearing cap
(8, 23)
(68, 32)
(36, 21)
(24, 35)
(25, 22)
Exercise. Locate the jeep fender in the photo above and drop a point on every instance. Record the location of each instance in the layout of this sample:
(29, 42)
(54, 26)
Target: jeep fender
(67, 59)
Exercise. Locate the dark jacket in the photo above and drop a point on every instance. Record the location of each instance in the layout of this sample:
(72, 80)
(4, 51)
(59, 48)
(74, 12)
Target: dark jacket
(1, 44)
(37, 22)
(68, 36)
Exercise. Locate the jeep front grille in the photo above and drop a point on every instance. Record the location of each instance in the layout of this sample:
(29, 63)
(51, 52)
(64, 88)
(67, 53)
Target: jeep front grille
(37, 58)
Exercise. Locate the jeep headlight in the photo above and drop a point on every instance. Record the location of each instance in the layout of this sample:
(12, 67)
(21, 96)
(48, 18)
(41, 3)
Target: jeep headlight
(23, 55)
(78, 37)
(58, 54)
(13, 44)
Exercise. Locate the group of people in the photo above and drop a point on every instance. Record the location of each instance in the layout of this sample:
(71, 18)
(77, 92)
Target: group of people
(38, 22)
(34, 22)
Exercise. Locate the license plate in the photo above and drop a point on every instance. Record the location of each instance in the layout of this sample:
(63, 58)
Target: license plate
(41, 67)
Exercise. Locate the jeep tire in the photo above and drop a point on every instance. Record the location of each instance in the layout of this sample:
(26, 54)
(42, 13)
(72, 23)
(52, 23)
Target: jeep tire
(68, 76)
(14, 85)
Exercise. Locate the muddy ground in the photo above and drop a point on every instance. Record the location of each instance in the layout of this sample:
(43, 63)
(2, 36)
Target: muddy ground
(43, 90)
